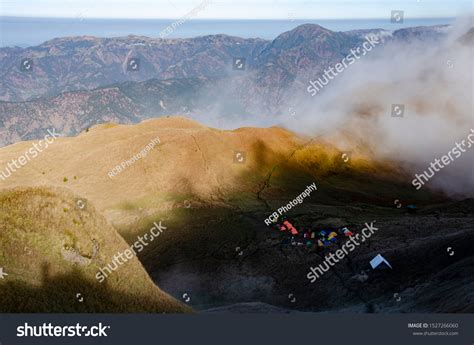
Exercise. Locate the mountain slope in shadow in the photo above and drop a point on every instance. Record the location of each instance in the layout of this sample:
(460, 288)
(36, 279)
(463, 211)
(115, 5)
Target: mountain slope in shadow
(52, 249)
(217, 248)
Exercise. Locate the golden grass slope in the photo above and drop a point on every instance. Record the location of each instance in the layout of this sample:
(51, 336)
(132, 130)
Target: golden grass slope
(39, 229)
(191, 159)
(192, 162)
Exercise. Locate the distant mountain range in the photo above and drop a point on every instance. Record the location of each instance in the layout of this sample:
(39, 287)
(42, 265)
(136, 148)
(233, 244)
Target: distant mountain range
(72, 83)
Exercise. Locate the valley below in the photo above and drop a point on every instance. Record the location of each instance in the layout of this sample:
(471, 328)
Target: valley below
(212, 190)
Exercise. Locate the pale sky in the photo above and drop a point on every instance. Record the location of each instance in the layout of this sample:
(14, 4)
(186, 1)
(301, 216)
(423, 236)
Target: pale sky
(232, 9)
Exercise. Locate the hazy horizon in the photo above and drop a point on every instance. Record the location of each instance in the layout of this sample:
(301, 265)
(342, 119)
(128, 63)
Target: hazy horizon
(31, 31)
(219, 9)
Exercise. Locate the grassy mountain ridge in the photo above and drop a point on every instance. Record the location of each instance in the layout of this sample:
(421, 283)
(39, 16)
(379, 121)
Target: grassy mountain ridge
(214, 206)
(52, 249)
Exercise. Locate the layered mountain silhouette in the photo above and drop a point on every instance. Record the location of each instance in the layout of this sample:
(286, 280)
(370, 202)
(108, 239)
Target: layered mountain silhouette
(63, 215)
(76, 82)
